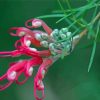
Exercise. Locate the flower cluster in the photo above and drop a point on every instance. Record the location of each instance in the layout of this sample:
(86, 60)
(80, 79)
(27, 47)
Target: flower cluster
(55, 43)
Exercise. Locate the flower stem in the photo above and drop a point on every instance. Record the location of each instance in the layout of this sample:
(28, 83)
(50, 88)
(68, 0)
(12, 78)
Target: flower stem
(84, 32)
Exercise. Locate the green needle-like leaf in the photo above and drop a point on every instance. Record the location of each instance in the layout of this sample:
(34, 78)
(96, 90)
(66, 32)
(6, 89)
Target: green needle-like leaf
(94, 47)
(51, 16)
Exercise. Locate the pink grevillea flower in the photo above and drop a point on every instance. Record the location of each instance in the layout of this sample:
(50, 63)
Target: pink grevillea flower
(55, 43)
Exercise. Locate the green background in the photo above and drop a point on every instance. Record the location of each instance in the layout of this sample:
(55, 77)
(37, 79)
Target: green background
(68, 78)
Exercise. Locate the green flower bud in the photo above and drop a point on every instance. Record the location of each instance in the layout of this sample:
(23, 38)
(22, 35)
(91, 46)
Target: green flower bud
(68, 34)
(64, 30)
(44, 36)
(44, 44)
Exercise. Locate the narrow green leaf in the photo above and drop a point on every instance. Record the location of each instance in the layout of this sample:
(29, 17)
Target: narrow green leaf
(94, 47)
(61, 7)
(89, 27)
(51, 16)
(72, 24)
(92, 56)
(86, 7)
(65, 16)
(68, 4)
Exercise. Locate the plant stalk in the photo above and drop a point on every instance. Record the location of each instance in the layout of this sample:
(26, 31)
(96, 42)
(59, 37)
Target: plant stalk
(84, 32)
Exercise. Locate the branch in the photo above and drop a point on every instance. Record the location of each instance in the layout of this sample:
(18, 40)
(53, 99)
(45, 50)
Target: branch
(84, 32)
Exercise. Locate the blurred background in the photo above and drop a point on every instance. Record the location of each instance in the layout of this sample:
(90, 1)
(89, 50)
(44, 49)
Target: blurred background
(68, 78)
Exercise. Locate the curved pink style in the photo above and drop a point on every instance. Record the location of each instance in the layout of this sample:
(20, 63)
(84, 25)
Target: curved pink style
(37, 23)
(27, 38)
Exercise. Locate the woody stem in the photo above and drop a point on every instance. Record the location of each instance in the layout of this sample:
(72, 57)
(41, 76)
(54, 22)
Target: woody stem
(84, 32)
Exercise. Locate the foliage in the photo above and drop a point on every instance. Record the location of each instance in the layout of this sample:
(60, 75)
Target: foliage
(80, 18)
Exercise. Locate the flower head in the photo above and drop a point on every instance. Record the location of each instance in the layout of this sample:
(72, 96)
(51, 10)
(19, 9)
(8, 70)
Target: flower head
(55, 43)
